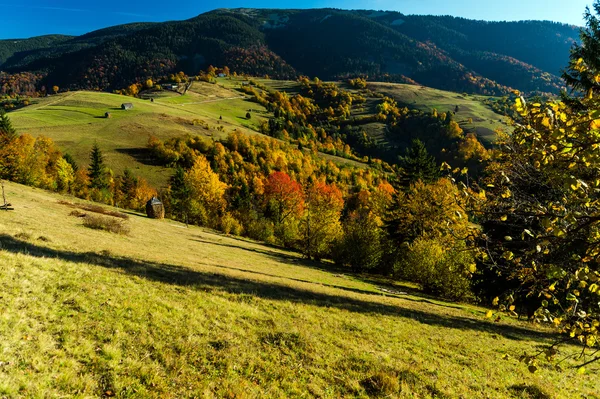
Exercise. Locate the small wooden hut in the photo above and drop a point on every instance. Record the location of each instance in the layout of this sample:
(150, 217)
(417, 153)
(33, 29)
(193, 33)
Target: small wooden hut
(126, 106)
(155, 209)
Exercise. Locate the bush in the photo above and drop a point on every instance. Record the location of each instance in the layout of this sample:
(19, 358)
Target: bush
(230, 225)
(360, 247)
(106, 223)
(440, 271)
(261, 230)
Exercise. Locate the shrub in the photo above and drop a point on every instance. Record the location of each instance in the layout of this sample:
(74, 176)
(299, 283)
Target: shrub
(261, 230)
(441, 271)
(230, 225)
(106, 223)
(360, 247)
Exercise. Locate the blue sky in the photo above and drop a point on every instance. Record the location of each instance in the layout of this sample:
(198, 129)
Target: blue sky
(20, 18)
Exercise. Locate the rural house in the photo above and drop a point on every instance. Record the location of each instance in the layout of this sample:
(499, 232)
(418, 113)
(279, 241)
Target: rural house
(126, 106)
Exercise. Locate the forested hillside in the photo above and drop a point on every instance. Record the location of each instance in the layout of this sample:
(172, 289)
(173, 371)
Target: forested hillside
(442, 52)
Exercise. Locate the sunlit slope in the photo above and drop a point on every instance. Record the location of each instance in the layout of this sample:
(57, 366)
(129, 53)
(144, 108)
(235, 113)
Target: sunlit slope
(173, 312)
(76, 120)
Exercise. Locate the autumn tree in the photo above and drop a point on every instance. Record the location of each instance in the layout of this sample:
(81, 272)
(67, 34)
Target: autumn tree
(207, 193)
(430, 228)
(65, 175)
(361, 246)
(55, 89)
(321, 221)
(542, 216)
(284, 196)
(285, 203)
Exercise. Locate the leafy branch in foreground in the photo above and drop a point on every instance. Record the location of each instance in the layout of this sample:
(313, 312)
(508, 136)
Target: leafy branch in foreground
(542, 215)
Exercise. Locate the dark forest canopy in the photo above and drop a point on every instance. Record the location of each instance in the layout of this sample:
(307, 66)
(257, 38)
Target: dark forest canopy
(442, 52)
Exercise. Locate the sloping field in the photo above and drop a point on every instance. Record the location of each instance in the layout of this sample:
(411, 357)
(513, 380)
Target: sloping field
(485, 120)
(174, 312)
(76, 120)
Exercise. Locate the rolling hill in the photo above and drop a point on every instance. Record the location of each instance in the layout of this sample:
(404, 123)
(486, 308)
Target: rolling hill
(75, 120)
(442, 52)
(168, 311)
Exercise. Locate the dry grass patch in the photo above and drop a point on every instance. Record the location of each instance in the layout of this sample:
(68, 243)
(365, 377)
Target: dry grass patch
(105, 223)
(94, 209)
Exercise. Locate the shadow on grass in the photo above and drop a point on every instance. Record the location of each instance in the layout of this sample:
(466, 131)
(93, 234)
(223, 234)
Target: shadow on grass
(141, 155)
(332, 268)
(528, 392)
(199, 280)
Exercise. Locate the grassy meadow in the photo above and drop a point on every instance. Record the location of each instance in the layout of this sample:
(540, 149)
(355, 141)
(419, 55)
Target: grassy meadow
(170, 311)
(75, 120)
(485, 120)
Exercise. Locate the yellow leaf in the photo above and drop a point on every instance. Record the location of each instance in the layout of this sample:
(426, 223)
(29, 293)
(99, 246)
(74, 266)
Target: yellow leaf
(489, 314)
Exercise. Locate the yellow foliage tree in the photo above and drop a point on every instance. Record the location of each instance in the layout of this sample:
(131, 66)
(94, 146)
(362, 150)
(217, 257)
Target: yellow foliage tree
(207, 193)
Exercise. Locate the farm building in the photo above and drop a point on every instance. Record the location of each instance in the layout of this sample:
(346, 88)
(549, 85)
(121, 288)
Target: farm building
(107, 115)
(126, 106)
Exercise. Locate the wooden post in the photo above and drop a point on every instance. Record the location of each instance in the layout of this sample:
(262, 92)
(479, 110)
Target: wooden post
(5, 206)
(3, 195)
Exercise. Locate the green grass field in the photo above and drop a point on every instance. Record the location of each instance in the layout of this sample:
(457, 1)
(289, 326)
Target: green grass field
(76, 120)
(485, 120)
(175, 312)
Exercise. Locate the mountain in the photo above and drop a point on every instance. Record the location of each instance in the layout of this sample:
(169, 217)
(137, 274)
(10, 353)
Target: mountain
(443, 52)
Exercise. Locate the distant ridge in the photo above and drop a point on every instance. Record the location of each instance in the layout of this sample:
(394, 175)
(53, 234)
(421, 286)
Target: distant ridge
(442, 52)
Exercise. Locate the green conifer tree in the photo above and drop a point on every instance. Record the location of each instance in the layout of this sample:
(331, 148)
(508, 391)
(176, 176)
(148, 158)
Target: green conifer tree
(97, 169)
(7, 131)
(417, 164)
(584, 63)
(179, 195)
(69, 158)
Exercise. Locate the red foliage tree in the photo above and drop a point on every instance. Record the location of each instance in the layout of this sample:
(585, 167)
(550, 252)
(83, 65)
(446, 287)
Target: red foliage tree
(284, 196)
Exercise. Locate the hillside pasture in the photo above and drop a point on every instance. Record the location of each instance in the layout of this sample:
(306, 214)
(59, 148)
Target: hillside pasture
(485, 120)
(76, 120)
(172, 311)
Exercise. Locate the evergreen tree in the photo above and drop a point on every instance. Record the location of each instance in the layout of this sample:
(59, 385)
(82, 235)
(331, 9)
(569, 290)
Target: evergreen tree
(417, 165)
(179, 195)
(128, 184)
(97, 169)
(584, 63)
(69, 158)
(7, 131)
